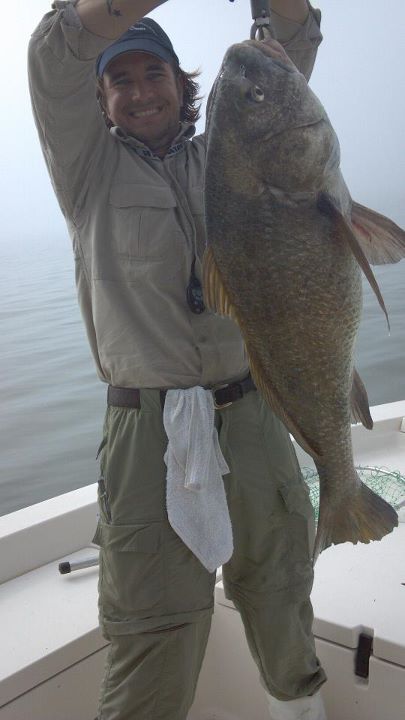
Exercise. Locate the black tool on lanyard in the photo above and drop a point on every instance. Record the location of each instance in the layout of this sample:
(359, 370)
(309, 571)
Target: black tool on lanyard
(194, 293)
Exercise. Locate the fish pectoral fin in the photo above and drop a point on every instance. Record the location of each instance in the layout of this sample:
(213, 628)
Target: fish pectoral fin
(381, 240)
(272, 397)
(215, 294)
(359, 402)
(327, 206)
(216, 299)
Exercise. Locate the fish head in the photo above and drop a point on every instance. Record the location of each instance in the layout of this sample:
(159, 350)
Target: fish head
(266, 126)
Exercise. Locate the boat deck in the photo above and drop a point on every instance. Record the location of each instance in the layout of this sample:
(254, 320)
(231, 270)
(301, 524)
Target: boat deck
(53, 652)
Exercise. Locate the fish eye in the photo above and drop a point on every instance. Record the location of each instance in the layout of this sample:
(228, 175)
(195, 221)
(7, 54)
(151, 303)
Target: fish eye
(256, 94)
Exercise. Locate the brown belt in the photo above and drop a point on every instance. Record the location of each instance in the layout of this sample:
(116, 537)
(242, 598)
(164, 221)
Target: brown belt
(223, 396)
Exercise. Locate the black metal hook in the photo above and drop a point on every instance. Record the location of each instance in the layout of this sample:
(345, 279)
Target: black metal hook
(261, 27)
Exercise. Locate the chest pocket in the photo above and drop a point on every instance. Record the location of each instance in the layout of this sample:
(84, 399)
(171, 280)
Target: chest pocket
(144, 224)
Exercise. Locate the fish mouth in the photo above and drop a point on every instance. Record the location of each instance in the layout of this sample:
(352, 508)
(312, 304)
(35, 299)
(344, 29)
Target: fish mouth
(289, 128)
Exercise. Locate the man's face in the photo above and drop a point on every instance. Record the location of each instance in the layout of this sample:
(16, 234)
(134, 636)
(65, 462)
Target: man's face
(143, 96)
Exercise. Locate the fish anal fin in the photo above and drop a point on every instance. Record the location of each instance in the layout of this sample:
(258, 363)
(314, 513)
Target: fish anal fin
(271, 396)
(215, 294)
(361, 517)
(359, 402)
(328, 206)
(382, 241)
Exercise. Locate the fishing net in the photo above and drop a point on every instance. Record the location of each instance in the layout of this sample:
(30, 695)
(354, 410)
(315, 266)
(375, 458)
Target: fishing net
(389, 484)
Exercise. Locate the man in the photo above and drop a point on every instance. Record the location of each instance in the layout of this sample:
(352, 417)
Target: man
(128, 175)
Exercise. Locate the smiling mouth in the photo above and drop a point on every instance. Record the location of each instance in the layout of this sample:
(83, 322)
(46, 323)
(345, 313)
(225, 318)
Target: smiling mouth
(140, 114)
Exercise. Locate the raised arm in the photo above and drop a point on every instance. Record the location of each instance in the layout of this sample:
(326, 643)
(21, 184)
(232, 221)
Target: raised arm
(111, 18)
(296, 10)
(297, 27)
(61, 68)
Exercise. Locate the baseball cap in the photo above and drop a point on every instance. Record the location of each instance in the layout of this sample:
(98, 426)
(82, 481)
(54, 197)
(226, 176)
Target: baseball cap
(145, 36)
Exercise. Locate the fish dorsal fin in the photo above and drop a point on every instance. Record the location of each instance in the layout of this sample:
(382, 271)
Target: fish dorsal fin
(271, 396)
(382, 241)
(327, 206)
(215, 294)
(359, 402)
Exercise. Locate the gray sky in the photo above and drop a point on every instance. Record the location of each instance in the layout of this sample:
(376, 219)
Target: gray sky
(358, 76)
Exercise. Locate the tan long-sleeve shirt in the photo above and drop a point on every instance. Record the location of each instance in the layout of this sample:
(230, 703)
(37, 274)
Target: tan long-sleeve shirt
(136, 221)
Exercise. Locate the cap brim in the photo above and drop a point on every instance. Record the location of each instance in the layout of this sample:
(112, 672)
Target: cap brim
(147, 45)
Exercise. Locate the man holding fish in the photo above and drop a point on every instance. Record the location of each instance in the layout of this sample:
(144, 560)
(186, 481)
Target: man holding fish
(115, 115)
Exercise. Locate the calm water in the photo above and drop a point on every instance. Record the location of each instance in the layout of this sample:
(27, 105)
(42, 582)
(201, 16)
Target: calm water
(52, 404)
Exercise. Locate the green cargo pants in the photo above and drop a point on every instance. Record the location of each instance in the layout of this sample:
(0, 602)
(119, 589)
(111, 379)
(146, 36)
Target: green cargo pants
(155, 597)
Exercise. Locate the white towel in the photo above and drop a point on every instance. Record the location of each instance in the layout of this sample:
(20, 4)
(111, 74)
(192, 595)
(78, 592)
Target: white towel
(196, 500)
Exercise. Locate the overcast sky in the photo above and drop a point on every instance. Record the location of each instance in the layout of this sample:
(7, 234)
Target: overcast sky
(359, 77)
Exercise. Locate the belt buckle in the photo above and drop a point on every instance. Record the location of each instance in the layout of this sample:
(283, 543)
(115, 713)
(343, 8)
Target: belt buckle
(217, 406)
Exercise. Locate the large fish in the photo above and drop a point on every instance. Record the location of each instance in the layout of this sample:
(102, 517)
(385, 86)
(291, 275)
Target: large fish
(286, 245)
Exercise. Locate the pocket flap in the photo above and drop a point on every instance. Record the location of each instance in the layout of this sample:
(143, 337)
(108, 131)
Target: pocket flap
(135, 195)
(131, 538)
(296, 498)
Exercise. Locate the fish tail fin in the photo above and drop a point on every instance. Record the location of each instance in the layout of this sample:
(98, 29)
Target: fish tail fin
(362, 517)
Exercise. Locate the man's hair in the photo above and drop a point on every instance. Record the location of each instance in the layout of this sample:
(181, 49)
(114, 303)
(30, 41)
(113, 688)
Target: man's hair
(190, 110)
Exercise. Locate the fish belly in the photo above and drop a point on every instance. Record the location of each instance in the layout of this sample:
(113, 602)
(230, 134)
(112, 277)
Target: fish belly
(297, 292)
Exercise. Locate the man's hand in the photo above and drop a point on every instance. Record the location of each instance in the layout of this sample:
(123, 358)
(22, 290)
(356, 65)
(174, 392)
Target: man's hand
(273, 49)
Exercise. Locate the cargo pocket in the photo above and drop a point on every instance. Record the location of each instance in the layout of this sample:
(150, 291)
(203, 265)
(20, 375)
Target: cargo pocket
(300, 523)
(132, 578)
(278, 558)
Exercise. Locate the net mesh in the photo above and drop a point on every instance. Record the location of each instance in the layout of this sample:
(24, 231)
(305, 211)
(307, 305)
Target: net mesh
(389, 484)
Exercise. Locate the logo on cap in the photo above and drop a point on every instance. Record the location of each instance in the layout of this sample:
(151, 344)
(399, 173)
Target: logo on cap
(144, 28)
